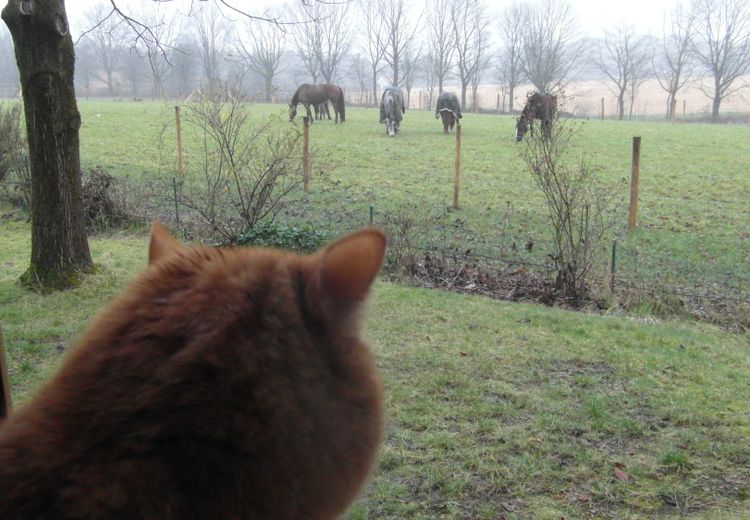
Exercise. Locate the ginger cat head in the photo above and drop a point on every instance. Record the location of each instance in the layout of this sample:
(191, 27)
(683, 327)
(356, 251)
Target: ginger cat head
(222, 383)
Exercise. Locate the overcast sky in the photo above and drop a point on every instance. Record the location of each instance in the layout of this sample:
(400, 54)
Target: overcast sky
(594, 15)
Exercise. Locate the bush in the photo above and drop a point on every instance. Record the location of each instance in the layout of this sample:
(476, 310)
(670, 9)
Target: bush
(246, 171)
(580, 212)
(298, 238)
(104, 202)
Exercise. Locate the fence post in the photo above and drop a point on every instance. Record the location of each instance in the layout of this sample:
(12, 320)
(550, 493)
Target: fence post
(306, 152)
(180, 168)
(634, 179)
(457, 177)
(613, 266)
(372, 214)
(5, 401)
(602, 109)
(176, 210)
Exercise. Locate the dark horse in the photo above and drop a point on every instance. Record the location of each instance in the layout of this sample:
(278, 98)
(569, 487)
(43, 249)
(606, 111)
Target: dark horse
(316, 94)
(449, 109)
(392, 109)
(538, 106)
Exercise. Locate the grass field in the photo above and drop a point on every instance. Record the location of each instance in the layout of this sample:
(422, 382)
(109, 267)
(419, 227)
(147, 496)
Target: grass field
(494, 410)
(693, 225)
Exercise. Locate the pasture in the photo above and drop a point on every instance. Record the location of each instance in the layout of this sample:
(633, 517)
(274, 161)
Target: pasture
(494, 409)
(693, 232)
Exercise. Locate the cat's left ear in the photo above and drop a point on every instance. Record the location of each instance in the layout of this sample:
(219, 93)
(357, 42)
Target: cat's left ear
(162, 243)
(348, 267)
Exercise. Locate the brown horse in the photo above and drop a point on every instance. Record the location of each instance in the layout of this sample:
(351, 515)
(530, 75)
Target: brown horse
(316, 94)
(538, 106)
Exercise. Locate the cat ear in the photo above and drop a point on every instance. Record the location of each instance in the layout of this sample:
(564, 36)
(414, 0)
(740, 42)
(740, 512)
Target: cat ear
(348, 267)
(162, 243)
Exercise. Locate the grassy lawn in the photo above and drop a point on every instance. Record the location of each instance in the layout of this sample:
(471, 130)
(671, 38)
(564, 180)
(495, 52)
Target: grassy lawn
(694, 221)
(494, 410)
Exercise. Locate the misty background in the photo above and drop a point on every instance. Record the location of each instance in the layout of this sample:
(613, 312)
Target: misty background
(490, 54)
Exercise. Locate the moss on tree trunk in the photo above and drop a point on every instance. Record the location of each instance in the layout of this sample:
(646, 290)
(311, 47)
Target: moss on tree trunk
(46, 60)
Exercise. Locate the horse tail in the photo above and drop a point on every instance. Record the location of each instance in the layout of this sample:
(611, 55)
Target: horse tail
(340, 105)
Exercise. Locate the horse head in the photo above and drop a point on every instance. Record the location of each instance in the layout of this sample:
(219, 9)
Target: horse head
(522, 126)
(449, 117)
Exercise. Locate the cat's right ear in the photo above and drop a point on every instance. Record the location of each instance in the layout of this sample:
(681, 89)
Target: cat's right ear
(162, 243)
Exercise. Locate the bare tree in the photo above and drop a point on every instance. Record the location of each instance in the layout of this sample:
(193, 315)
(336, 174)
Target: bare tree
(397, 35)
(430, 78)
(308, 40)
(470, 27)
(441, 39)
(410, 64)
(212, 35)
(134, 71)
(358, 69)
(722, 46)
(374, 25)
(105, 42)
(641, 73)
(182, 72)
(157, 45)
(263, 54)
(323, 37)
(552, 47)
(672, 65)
(45, 57)
(510, 67)
(622, 56)
(337, 34)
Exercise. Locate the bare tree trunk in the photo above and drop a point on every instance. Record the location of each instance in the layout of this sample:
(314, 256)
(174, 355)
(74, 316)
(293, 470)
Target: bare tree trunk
(45, 57)
(716, 103)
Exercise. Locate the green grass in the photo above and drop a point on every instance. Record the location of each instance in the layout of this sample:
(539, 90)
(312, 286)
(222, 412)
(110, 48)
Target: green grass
(693, 234)
(494, 410)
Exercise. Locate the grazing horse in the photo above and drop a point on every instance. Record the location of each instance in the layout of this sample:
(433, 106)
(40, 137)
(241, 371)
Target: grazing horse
(538, 106)
(449, 109)
(392, 109)
(316, 94)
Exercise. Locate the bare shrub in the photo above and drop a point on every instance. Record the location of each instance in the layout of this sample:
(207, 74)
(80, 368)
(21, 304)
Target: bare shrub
(15, 174)
(105, 203)
(581, 212)
(245, 171)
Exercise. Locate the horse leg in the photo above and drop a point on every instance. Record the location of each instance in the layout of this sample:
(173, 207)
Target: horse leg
(309, 114)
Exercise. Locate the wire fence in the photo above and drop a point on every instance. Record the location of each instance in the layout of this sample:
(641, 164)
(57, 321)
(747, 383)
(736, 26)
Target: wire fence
(437, 253)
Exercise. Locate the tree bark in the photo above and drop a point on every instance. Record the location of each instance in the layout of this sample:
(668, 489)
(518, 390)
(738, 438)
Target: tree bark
(46, 62)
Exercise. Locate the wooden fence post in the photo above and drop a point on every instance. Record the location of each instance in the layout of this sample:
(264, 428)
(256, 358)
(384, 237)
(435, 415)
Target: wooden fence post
(634, 179)
(457, 177)
(602, 109)
(180, 168)
(5, 401)
(306, 152)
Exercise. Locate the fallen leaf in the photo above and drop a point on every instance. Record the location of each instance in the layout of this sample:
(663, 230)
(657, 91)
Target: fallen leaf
(621, 475)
